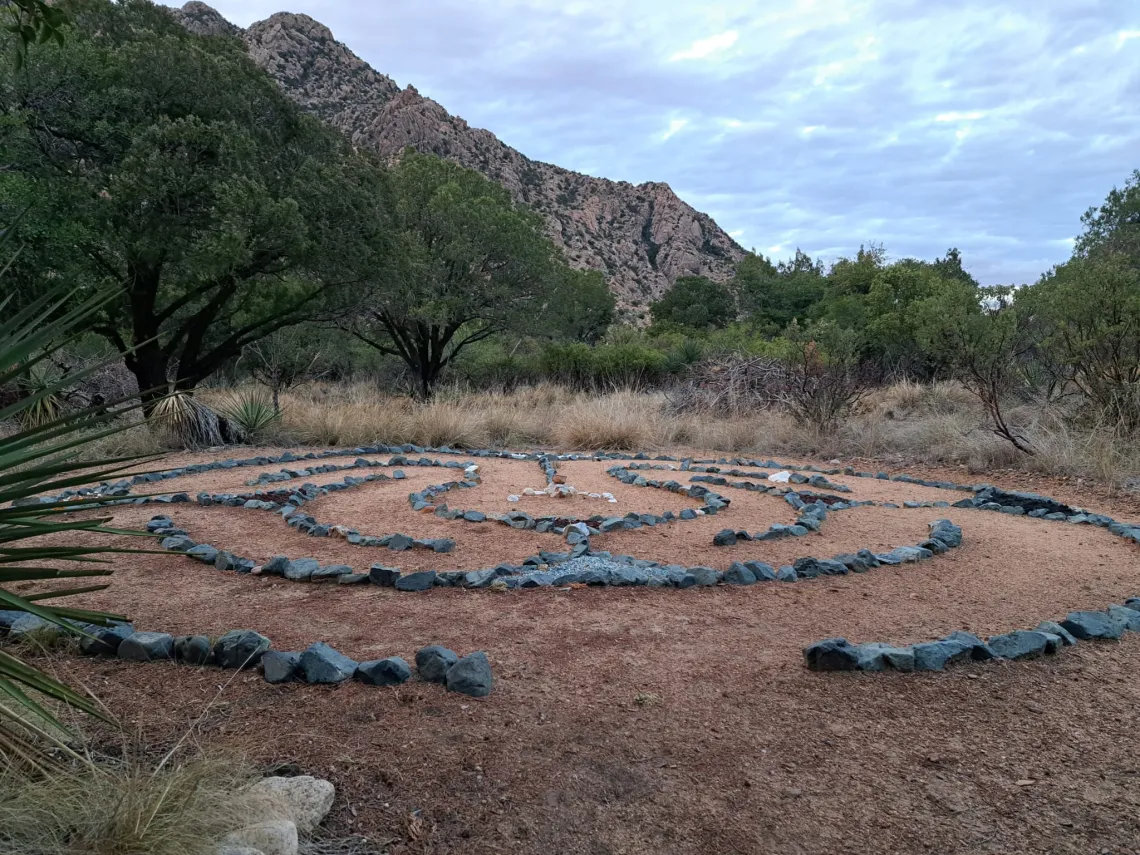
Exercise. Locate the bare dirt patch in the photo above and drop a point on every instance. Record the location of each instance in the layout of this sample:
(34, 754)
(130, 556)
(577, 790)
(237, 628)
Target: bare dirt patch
(641, 720)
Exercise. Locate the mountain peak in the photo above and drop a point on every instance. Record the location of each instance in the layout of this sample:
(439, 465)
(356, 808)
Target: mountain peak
(203, 20)
(641, 237)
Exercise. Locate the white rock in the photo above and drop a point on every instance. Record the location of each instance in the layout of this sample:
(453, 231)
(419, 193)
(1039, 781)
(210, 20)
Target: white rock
(275, 837)
(232, 849)
(304, 800)
(512, 498)
(780, 477)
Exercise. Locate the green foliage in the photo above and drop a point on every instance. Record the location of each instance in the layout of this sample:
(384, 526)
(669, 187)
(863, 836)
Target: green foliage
(469, 264)
(33, 22)
(253, 410)
(695, 303)
(774, 296)
(823, 373)
(1088, 316)
(42, 457)
(581, 307)
(984, 340)
(606, 366)
(171, 168)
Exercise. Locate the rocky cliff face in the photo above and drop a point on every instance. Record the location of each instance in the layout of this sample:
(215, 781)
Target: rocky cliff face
(641, 236)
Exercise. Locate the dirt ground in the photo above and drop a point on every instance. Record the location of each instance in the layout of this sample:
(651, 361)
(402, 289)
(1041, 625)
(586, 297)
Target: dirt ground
(665, 721)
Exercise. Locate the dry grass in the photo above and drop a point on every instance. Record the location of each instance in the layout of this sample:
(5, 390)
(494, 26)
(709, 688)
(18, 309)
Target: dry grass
(122, 808)
(904, 423)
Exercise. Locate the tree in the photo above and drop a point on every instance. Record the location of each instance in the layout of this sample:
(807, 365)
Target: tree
(983, 338)
(469, 264)
(581, 307)
(695, 302)
(170, 167)
(774, 296)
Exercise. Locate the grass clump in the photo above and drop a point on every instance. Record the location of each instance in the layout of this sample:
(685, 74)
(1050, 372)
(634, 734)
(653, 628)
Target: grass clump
(122, 808)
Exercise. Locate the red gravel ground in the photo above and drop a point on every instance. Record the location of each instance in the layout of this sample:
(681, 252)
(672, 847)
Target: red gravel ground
(663, 721)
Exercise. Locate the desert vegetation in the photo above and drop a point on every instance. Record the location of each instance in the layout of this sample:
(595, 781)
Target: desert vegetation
(193, 264)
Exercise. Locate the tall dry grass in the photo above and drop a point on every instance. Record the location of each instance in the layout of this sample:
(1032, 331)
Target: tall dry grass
(122, 807)
(904, 423)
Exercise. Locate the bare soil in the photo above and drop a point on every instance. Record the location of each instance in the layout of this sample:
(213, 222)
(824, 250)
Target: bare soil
(664, 721)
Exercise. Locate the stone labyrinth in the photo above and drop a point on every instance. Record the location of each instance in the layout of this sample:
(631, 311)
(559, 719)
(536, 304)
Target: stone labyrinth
(423, 518)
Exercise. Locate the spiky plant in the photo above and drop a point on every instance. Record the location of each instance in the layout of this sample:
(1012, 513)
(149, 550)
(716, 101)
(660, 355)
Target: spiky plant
(190, 422)
(36, 540)
(251, 410)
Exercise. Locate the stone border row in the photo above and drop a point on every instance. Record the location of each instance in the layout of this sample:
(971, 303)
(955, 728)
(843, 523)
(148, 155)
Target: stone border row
(245, 648)
(1047, 638)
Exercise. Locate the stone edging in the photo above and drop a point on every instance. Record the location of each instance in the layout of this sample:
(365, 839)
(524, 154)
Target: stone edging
(245, 648)
(1047, 638)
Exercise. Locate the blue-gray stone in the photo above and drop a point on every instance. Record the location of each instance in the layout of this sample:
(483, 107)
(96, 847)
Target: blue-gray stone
(739, 574)
(688, 514)
(480, 578)
(831, 654)
(400, 542)
(680, 578)
(147, 646)
(1020, 644)
(875, 656)
(809, 568)
(936, 655)
(105, 640)
(761, 571)
(1132, 603)
(177, 543)
(979, 650)
(25, 623)
(416, 581)
(705, 576)
(1052, 628)
(331, 572)
(192, 649)
(475, 516)
(281, 667)
(301, 569)
(537, 580)
(203, 552)
(471, 676)
(434, 661)
(787, 573)
(629, 576)
(1126, 616)
(240, 648)
(383, 672)
(947, 532)
(322, 664)
(1087, 625)
(905, 555)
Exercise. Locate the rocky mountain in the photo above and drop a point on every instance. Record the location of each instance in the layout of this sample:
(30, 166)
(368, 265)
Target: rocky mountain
(641, 236)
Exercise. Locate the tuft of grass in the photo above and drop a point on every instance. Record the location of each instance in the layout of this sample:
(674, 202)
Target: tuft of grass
(647, 699)
(251, 409)
(122, 808)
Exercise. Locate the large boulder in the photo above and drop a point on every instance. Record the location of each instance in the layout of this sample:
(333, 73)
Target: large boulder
(304, 800)
(383, 672)
(240, 648)
(471, 675)
(433, 662)
(322, 664)
(147, 646)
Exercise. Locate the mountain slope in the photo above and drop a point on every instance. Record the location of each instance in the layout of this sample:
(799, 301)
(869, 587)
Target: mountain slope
(641, 236)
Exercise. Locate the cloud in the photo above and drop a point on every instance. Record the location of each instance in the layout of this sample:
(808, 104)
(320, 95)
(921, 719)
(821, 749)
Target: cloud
(674, 126)
(704, 48)
(962, 123)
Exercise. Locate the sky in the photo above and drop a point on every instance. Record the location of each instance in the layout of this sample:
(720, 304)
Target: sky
(820, 124)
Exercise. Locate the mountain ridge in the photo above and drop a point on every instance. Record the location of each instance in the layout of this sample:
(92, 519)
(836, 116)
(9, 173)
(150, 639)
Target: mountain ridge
(642, 237)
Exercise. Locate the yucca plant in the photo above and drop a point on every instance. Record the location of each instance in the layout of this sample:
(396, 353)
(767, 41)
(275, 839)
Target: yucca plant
(43, 457)
(251, 410)
(190, 422)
